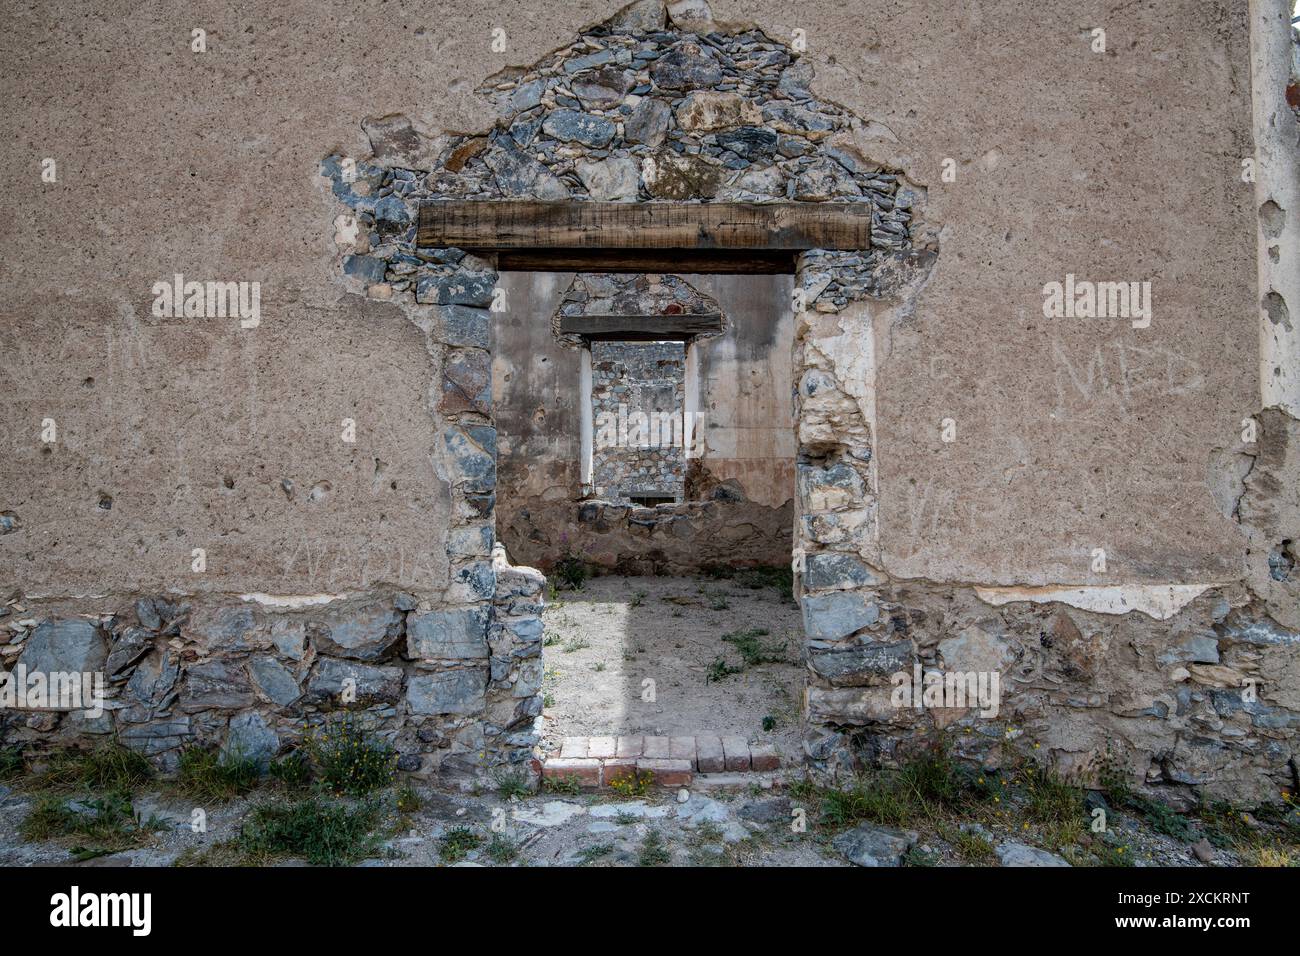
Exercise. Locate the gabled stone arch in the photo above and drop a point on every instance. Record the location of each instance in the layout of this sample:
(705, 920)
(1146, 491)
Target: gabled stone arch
(658, 105)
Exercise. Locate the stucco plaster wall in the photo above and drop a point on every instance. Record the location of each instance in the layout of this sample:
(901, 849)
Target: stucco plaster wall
(1071, 435)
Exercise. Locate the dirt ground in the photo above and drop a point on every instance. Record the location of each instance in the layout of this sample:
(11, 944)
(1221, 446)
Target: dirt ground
(606, 639)
(748, 826)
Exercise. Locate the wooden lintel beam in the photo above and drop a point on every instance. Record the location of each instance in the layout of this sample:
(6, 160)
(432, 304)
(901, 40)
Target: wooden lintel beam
(496, 226)
(640, 326)
(681, 261)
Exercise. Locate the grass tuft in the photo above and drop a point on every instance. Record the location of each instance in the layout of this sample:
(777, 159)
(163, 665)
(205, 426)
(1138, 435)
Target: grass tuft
(12, 765)
(207, 774)
(108, 824)
(755, 651)
(513, 783)
(457, 843)
(653, 852)
(108, 768)
(292, 771)
(348, 759)
(324, 833)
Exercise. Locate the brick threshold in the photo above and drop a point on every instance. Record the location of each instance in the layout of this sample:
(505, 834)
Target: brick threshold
(594, 762)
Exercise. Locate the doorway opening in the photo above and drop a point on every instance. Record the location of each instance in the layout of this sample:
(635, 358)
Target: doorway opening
(646, 463)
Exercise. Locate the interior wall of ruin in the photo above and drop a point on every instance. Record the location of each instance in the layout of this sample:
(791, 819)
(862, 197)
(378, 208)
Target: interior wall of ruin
(739, 485)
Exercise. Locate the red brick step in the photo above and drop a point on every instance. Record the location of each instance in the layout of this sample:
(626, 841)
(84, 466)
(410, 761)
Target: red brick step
(598, 761)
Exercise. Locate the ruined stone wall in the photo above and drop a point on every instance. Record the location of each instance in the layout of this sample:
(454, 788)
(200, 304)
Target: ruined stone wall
(638, 400)
(962, 456)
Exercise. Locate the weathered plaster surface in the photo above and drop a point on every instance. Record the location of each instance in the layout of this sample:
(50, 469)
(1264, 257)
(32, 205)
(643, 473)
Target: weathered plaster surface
(1070, 435)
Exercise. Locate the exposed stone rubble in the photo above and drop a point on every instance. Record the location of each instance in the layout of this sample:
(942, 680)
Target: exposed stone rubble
(454, 690)
(647, 108)
(601, 295)
(719, 528)
(638, 404)
(636, 114)
(633, 110)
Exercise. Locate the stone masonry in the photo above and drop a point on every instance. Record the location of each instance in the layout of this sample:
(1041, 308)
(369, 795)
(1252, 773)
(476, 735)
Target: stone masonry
(1189, 687)
(638, 407)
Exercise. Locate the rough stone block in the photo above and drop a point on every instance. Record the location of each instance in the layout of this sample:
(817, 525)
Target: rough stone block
(333, 677)
(290, 638)
(250, 737)
(657, 748)
(832, 617)
(611, 180)
(366, 268)
(72, 646)
(686, 67)
(861, 664)
(274, 681)
(829, 487)
(852, 705)
(466, 382)
(361, 633)
(447, 692)
(648, 123)
(832, 571)
(465, 325)
(458, 288)
(151, 684)
(215, 685)
(132, 644)
(455, 634)
(224, 629)
(576, 126)
(472, 452)
(705, 110)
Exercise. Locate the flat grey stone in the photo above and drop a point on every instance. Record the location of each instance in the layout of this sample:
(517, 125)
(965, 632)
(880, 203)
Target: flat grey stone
(456, 634)
(648, 122)
(363, 634)
(833, 571)
(831, 617)
(1020, 854)
(250, 737)
(857, 666)
(333, 676)
(215, 685)
(274, 680)
(448, 692)
(71, 646)
(870, 845)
